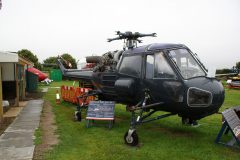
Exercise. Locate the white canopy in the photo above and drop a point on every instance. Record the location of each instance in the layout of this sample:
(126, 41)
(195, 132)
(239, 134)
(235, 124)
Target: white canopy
(8, 57)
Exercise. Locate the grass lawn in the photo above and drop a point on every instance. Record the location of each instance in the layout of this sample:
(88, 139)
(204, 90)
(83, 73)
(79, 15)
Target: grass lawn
(163, 139)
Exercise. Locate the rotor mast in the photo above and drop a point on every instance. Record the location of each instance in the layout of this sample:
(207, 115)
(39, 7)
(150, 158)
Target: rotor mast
(130, 39)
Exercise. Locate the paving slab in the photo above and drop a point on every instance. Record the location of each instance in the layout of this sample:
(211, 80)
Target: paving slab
(23, 141)
(17, 134)
(12, 153)
(24, 127)
(13, 112)
(26, 123)
(9, 129)
(44, 90)
(26, 119)
(17, 142)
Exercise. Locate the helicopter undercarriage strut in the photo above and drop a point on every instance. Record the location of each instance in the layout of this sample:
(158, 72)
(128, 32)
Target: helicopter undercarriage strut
(131, 137)
(137, 115)
(83, 105)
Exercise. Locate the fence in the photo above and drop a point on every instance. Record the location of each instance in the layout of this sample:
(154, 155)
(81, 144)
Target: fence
(76, 95)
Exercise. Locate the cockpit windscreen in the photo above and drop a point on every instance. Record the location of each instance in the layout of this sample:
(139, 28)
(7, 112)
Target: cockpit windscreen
(186, 64)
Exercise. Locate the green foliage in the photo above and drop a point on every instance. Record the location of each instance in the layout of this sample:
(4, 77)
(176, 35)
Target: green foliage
(223, 71)
(70, 59)
(38, 66)
(50, 63)
(238, 65)
(30, 56)
(226, 70)
(50, 60)
(163, 139)
(38, 136)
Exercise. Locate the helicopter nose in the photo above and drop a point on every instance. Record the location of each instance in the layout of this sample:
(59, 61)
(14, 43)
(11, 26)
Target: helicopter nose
(205, 92)
(218, 93)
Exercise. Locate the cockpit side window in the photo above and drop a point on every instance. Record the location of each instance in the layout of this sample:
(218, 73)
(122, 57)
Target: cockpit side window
(162, 69)
(150, 67)
(131, 65)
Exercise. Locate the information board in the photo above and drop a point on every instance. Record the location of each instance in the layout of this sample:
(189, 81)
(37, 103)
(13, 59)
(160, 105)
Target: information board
(101, 110)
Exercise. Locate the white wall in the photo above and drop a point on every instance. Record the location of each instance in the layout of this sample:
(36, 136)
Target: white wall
(7, 71)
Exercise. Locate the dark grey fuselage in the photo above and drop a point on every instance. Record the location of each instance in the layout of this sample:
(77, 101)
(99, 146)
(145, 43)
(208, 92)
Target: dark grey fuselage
(194, 98)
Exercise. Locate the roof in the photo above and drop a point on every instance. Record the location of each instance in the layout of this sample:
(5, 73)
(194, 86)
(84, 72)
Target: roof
(154, 46)
(157, 46)
(24, 61)
(8, 57)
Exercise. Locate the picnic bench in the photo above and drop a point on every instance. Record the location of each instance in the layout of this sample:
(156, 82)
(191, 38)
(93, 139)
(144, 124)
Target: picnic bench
(231, 123)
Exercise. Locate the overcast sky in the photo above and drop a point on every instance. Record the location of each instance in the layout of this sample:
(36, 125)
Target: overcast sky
(211, 28)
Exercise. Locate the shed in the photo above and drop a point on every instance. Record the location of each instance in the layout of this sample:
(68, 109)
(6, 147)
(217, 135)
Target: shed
(7, 62)
(12, 78)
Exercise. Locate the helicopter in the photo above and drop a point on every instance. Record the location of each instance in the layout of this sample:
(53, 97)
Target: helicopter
(151, 78)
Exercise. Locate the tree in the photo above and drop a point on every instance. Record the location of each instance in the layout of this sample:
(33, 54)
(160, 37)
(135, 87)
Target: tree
(30, 56)
(238, 65)
(70, 59)
(50, 62)
(223, 71)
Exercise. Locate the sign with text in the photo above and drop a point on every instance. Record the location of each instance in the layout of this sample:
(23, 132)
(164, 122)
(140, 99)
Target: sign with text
(101, 110)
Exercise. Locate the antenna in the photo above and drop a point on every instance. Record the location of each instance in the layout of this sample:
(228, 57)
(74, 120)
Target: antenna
(130, 39)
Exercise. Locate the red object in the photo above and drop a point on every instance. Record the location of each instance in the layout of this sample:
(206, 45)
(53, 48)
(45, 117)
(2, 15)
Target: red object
(71, 94)
(89, 65)
(41, 76)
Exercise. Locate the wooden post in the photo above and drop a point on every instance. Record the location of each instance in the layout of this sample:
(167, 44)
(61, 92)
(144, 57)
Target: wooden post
(1, 107)
(24, 83)
(17, 86)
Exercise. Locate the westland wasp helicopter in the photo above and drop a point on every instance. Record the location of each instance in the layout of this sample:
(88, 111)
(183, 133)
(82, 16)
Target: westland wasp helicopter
(151, 78)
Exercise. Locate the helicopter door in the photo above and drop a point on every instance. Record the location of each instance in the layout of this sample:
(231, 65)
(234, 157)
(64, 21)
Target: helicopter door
(160, 79)
(127, 86)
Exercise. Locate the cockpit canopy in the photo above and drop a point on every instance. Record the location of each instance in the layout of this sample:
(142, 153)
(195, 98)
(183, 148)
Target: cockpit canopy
(186, 63)
(161, 62)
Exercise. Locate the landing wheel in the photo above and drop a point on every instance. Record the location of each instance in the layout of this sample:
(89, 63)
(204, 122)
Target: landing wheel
(78, 116)
(188, 121)
(131, 139)
(185, 121)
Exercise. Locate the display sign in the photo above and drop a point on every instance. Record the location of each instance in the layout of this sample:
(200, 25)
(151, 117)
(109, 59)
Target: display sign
(101, 110)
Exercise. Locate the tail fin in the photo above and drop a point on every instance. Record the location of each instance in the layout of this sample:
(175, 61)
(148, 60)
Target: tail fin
(62, 68)
(75, 73)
